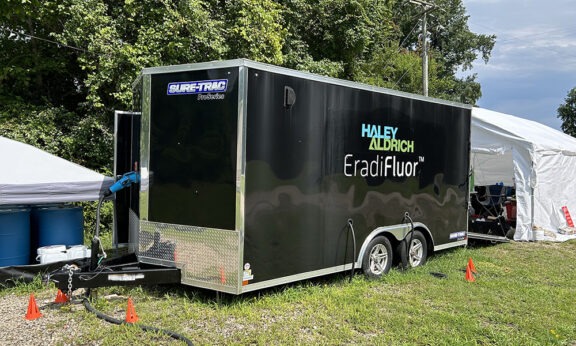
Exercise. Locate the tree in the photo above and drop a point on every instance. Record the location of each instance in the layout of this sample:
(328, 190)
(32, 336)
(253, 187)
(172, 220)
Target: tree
(120, 40)
(453, 47)
(254, 30)
(336, 37)
(41, 86)
(567, 113)
(36, 71)
(77, 59)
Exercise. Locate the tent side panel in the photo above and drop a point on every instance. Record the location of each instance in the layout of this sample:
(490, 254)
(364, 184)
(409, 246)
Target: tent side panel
(523, 182)
(555, 189)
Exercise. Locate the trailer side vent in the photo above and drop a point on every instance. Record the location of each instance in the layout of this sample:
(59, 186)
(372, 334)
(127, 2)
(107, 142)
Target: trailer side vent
(289, 97)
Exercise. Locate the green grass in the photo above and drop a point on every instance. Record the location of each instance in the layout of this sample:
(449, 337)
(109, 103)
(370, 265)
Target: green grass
(524, 294)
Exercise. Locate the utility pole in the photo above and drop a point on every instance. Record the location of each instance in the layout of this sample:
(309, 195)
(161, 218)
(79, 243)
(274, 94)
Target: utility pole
(428, 7)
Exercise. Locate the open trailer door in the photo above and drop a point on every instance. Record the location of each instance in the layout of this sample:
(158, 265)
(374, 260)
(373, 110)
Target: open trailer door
(126, 159)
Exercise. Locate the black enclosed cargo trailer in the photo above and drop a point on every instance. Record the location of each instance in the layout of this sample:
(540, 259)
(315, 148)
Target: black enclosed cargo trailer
(254, 175)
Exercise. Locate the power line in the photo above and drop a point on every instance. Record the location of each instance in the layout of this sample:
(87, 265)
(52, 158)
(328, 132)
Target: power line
(59, 44)
(408, 35)
(427, 8)
(389, 63)
(401, 77)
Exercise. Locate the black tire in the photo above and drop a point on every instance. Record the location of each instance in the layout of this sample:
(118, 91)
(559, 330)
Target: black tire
(377, 259)
(418, 250)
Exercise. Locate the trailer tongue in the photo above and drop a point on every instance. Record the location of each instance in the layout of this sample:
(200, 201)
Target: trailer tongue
(254, 175)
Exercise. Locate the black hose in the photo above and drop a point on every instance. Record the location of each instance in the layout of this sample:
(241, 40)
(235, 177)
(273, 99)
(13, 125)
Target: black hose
(354, 254)
(97, 233)
(143, 327)
(405, 260)
(96, 240)
(95, 248)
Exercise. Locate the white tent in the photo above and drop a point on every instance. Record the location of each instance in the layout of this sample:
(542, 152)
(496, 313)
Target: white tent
(32, 176)
(538, 160)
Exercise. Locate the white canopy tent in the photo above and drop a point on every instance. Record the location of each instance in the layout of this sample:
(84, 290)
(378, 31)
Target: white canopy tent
(538, 161)
(32, 176)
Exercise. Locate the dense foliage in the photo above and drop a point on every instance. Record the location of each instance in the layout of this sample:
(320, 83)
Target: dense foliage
(66, 65)
(567, 113)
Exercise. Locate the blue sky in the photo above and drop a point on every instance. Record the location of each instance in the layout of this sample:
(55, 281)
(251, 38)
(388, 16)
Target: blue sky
(533, 64)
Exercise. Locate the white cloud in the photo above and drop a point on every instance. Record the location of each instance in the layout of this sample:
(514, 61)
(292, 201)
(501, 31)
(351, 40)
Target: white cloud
(528, 33)
(533, 64)
(532, 49)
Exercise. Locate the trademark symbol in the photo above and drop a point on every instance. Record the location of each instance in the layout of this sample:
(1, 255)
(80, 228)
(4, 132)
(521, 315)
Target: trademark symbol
(421, 158)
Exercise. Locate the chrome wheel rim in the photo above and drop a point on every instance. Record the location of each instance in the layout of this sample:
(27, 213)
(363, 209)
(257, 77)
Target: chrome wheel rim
(378, 259)
(416, 252)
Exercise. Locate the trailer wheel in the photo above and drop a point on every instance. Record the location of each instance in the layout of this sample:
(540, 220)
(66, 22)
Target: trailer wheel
(377, 259)
(418, 253)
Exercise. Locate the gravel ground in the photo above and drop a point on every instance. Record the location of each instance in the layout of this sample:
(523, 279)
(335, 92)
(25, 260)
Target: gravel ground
(59, 323)
(55, 323)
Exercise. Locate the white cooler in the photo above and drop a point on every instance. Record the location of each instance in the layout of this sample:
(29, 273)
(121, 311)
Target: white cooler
(57, 253)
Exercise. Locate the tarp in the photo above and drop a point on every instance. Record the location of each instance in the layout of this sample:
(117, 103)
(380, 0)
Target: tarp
(32, 176)
(538, 161)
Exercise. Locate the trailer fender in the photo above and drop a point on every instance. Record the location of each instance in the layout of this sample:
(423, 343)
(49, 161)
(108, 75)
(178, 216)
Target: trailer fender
(393, 232)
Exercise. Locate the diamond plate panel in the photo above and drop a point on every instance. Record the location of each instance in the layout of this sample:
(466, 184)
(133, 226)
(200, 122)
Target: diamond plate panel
(207, 257)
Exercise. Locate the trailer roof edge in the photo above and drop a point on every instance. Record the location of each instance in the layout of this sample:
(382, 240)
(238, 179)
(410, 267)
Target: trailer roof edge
(296, 73)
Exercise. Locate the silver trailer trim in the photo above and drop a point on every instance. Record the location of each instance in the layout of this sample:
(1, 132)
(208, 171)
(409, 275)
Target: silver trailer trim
(296, 277)
(241, 168)
(145, 146)
(450, 245)
(295, 73)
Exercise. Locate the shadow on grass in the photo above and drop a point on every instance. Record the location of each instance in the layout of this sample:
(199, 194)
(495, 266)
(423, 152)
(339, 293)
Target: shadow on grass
(207, 296)
(210, 296)
(480, 244)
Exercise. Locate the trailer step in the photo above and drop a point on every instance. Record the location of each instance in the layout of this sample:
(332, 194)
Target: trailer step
(490, 237)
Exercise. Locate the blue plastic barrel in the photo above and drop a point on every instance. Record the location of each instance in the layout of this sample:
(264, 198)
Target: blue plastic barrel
(58, 225)
(14, 236)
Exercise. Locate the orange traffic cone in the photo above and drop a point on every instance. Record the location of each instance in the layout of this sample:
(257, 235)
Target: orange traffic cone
(61, 297)
(33, 312)
(222, 276)
(471, 265)
(469, 275)
(131, 316)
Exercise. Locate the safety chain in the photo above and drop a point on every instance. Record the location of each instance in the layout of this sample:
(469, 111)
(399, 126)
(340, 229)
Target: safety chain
(70, 269)
(70, 273)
